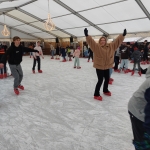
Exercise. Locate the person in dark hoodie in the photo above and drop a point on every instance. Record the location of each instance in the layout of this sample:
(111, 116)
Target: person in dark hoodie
(139, 111)
(125, 53)
(137, 59)
(90, 54)
(145, 56)
(14, 55)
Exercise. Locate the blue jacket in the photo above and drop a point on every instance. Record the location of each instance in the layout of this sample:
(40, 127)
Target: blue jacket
(147, 111)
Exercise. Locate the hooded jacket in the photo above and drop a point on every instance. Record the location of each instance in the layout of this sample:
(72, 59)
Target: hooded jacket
(14, 54)
(124, 50)
(104, 55)
(136, 55)
(138, 102)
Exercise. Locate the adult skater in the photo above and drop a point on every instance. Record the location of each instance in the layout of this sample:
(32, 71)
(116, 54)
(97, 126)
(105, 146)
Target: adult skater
(37, 58)
(125, 53)
(139, 111)
(90, 55)
(14, 55)
(103, 60)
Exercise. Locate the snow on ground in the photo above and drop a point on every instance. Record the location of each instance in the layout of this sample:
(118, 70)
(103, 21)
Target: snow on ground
(56, 111)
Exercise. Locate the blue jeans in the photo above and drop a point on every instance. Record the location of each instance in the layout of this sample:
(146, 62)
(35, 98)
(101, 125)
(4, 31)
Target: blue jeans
(76, 61)
(124, 62)
(110, 72)
(52, 53)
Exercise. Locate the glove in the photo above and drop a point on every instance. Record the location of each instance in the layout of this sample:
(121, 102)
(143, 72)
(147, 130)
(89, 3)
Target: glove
(124, 32)
(86, 32)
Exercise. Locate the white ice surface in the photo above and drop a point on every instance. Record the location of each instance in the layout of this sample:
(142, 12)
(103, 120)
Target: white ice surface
(56, 111)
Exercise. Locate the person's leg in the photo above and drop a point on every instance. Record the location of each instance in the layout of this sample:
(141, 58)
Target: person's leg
(110, 72)
(75, 61)
(134, 66)
(126, 63)
(34, 64)
(15, 74)
(39, 63)
(5, 69)
(137, 128)
(100, 75)
(20, 72)
(122, 64)
(89, 57)
(78, 63)
(106, 77)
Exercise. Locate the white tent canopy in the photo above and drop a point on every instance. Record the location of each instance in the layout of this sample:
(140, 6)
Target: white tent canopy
(72, 16)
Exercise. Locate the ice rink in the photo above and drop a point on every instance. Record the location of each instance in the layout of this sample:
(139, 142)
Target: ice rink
(56, 111)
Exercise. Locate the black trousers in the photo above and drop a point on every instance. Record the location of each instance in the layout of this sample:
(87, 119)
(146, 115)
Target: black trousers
(102, 74)
(116, 62)
(39, 63)
(137, 128)
(145, 57)
(90, 56)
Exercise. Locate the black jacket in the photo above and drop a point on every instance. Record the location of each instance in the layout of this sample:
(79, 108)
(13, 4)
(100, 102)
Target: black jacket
(124, 50)
(14, 54)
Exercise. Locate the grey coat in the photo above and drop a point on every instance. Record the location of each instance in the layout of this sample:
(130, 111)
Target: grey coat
(136, 55)
(137, 102)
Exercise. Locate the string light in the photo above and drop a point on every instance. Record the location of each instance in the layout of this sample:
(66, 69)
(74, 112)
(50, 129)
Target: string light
(48, 24)
(5, 31)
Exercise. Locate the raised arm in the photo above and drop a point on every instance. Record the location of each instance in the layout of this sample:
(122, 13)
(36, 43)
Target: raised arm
(90, 41)
(119, 40)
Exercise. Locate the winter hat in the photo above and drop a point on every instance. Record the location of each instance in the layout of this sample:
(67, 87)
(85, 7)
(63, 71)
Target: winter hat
(147, 95)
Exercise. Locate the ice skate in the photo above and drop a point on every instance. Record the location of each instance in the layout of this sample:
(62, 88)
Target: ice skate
(107, 93)
(98, 98)
(21, 87)
(16, 91)
(132, 73)
(139, 73)
(40, 71)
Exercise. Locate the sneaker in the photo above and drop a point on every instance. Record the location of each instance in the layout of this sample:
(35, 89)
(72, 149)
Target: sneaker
(33, 71)
(98, 98)
(40, 71)
(107, 93)
(16, 91)
(21, 87)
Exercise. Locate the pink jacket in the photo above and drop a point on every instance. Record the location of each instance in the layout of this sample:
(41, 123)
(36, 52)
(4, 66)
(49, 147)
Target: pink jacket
(76, 53)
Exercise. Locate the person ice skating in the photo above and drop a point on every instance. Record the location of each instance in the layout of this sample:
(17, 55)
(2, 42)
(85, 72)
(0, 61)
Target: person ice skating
(36, 57)
(14, 55)
(145, 56)
(58, 48)
(52, 49)
(125, 53)
(63, 54)
(68, 51)
(3, 71)
(90, 55)
(136, 55)
(76, 54)
(103, 60)
(139, 112)
(110, 73)
(117, 58)
(31, 45)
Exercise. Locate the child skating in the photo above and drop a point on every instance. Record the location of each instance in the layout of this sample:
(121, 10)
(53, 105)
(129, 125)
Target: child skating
(14, 55)
(76, 54)
(137, 59)
(36, 57)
